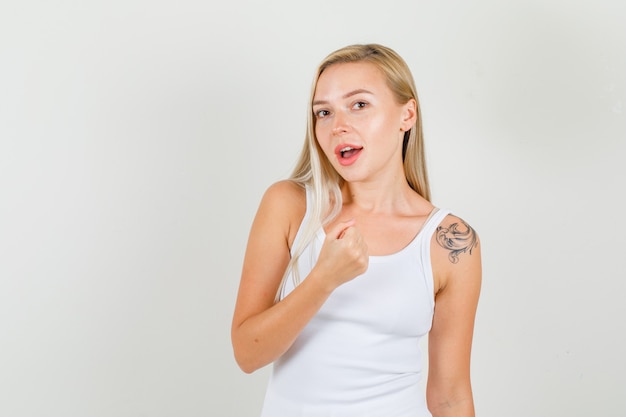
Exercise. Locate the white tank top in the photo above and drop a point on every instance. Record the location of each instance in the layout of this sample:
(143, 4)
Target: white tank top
(359, 356)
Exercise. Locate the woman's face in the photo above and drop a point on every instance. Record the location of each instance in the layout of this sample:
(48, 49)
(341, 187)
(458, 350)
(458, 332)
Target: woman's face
(358, 123)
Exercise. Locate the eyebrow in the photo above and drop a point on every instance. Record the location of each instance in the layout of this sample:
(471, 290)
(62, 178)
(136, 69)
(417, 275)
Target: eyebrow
(347, 95)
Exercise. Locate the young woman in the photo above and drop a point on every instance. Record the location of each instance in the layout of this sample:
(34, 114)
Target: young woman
(349, 264)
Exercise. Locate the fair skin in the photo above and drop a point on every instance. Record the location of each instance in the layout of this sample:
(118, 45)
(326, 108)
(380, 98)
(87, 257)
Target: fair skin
(356, 113)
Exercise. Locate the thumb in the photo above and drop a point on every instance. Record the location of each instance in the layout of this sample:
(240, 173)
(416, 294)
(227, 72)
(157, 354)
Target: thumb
(340, 228)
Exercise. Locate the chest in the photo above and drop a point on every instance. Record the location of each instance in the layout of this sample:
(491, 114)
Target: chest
(392, 297)
(384, 235)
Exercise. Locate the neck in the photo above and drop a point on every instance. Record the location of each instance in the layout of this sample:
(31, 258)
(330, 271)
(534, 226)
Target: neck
(378, 196)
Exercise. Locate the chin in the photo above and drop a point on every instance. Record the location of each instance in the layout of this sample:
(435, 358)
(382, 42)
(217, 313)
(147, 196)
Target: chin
(352, 176)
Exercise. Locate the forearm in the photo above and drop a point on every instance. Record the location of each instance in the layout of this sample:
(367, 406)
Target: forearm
(264, 337)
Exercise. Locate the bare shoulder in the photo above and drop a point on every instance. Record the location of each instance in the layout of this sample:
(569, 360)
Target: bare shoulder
(285, 201)
(456, 238)
(455, 250)
(287, 192)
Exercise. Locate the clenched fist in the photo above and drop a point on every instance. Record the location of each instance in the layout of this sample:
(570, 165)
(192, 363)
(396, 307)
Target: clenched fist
(343, 255)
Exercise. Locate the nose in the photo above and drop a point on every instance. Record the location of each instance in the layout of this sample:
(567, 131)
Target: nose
(339, 124)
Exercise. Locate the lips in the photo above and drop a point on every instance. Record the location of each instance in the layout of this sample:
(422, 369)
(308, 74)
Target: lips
(347, 154)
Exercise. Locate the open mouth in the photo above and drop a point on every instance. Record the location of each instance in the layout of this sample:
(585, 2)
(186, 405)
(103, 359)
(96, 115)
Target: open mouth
(348, 151)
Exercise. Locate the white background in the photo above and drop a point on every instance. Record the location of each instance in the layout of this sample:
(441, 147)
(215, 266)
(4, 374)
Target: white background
(137, 137)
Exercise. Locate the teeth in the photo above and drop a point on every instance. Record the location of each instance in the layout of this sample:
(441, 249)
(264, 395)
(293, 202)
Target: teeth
(347, 148)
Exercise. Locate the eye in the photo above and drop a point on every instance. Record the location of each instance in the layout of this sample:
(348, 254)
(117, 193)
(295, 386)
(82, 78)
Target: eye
(320, 114)
(359, 105)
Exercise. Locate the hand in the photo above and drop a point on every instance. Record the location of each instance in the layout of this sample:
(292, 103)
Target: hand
(343, 256)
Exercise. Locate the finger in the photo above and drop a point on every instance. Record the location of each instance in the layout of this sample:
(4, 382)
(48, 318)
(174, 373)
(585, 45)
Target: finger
(340, 228)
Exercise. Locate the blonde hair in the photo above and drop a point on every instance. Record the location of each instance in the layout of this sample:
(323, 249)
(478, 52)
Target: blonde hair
(315, 171)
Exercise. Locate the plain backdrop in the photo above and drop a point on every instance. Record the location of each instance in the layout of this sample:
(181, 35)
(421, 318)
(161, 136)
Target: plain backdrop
(137, 138)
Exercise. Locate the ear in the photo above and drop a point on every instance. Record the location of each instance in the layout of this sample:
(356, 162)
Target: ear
(409, 115)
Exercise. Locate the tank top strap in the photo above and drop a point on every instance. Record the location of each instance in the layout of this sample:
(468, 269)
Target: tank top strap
(305, 219)
(428, 229)
(435, 217)
(433, 212)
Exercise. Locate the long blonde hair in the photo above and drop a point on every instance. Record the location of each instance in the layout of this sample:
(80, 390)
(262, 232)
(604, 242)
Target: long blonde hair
(315, 171)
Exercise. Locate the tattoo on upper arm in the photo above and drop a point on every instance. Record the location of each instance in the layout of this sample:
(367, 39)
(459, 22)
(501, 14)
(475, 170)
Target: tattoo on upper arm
(457, 238)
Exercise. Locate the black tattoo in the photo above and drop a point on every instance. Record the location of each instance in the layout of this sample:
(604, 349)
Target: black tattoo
(457, 241)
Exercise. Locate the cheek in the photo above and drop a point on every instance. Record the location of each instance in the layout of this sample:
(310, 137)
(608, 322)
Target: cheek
(322, 138)
(325, 148)
(384, 127)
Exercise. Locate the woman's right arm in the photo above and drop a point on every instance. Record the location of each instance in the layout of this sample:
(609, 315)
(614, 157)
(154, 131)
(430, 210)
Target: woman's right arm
(263, 330)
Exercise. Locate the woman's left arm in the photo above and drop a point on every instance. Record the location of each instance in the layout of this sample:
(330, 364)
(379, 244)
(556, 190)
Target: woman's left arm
(455, 256)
